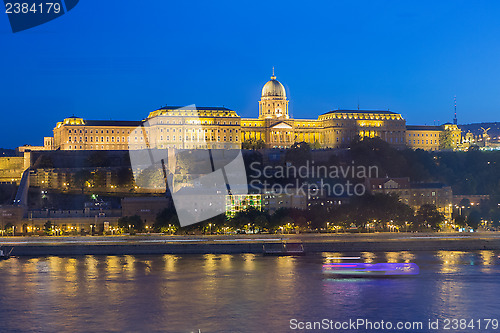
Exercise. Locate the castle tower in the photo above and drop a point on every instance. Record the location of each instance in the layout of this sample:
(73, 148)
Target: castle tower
(273, 103)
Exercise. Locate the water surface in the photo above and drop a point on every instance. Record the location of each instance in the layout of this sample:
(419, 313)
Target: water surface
(237, 293)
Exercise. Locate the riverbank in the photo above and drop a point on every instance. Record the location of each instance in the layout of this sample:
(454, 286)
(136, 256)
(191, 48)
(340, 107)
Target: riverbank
(160, 244)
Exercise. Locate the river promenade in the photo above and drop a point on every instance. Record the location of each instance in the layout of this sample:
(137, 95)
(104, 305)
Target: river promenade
(231, 244)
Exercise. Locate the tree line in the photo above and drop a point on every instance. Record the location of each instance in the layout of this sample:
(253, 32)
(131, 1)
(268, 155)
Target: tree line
(369, 213)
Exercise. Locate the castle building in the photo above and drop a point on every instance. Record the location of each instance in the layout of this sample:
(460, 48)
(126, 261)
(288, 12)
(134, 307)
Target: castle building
(446, 136)
(424, 137)
(219, 127)
(78, 134)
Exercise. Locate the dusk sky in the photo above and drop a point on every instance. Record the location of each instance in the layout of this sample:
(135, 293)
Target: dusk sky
(122, 59)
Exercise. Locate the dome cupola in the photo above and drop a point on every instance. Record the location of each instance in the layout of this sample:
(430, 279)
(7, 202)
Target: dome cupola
(273, 88)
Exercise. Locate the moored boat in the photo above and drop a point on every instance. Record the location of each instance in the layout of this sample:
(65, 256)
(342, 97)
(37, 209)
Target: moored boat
(4, 255)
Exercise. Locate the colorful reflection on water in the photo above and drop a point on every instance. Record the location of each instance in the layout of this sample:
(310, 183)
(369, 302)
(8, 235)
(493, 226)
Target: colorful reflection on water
(237, 293)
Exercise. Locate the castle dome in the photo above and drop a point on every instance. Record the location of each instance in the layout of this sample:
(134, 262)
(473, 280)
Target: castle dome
(273, 88)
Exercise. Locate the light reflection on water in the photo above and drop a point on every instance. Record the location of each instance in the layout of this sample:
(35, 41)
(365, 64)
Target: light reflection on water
(237, 293)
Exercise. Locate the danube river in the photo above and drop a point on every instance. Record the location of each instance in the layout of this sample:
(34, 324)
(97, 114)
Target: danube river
(243, 293)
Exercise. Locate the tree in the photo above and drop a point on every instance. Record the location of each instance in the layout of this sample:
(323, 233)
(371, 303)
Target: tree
(131, 223)
(429, 216)
(460, 221)
(445, 140)
(47, 228)
(283, 218)
(100, 176)
(299, 153)
(8, 228)
(81, 177)
(474, 219)
(214, 224)
(316, 145)
(124, 177)
(252, 143)
(167, 221)
(464, 203)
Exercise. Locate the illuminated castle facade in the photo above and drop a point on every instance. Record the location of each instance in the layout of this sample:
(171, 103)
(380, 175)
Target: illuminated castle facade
(220, 127)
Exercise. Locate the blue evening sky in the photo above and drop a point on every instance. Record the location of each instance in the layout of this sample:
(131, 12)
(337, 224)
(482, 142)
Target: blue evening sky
(119, 59)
